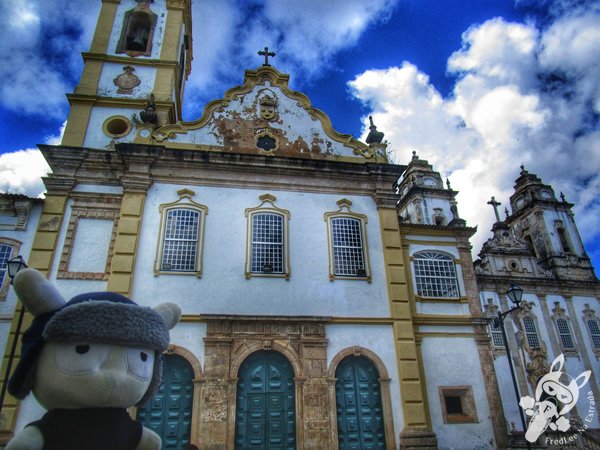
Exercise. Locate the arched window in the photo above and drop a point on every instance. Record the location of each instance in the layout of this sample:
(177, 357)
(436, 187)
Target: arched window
(137, 32)
(435, 275)
(267, 253)
(181, 236)
(9, 248)
(531, 334)
(592, 323)
(563, 328)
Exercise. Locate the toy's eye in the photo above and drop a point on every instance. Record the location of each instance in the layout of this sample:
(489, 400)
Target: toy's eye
(81, 349)
(140, 363)
(82, 358)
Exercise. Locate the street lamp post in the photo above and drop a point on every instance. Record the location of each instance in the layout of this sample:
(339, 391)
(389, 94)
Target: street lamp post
(515, 294)
(13, 266)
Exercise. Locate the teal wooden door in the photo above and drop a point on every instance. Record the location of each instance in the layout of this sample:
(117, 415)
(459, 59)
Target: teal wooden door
(265, 409)
(358, 400)
(169, 412)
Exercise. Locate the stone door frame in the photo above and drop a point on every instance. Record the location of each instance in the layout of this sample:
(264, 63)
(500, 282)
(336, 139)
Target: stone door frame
(231, 339)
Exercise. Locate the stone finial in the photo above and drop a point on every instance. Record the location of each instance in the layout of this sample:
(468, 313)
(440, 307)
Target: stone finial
(562, 197)
(448, 184)
(414, 155)
(149, 115)
(374, 136)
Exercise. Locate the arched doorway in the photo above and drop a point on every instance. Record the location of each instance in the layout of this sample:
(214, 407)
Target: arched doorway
(265, 403)
(358, 401)
(169, 412)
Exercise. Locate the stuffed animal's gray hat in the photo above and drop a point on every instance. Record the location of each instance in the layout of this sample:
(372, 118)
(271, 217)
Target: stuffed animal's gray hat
(102, 317)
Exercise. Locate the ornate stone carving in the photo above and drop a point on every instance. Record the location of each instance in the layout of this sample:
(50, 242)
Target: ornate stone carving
(538, 367)
(268, 108)
(127, 81)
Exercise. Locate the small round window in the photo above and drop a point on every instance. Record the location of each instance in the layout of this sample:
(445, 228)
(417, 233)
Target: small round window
(116, 126)
(514, 265)
(266, 142)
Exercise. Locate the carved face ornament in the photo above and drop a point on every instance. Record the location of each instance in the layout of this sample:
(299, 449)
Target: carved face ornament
(268, 108)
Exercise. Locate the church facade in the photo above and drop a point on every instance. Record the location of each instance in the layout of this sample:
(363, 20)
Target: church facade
(329, 297)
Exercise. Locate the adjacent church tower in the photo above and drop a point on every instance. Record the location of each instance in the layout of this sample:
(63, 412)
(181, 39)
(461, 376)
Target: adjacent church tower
(134, 74)
(548, 226)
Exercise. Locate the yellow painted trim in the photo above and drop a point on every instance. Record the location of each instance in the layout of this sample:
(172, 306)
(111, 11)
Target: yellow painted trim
(422, 334)
(430, 242)
(77, 124)
(90, 78)
(249, 212)
(128, 60)
(171, 34)
(280, 80)
(108, 120)
(409, 364)
(183, 202)
(41, 258)
(439, 319)
(164, 84)
(120, 279)
(104, 27)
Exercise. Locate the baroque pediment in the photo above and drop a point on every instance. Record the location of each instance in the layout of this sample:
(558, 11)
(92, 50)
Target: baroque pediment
(264, 116)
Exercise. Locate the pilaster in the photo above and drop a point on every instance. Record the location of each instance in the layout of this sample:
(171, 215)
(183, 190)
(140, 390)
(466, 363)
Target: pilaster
(417, 432)
(41, 258)
(484, 351)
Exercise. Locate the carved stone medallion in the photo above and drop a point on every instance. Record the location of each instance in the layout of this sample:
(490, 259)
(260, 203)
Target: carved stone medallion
(127, 81)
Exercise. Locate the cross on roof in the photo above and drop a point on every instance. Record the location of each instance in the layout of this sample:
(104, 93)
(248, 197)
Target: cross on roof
(495, 204)
(266, 53)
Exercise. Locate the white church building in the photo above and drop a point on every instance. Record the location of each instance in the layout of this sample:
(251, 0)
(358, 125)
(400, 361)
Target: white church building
(329, 297)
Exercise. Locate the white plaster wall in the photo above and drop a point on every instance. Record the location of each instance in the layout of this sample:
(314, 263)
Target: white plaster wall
(223, 288)
(191, 337)
(444, 306)
(110, 71)
(70, 288)
(91, 245)
(96, 188)
(294, 120)
(550, 216)
(455, 362)
(159, 8)
(378, 339)
(438, 203)
(95, 137)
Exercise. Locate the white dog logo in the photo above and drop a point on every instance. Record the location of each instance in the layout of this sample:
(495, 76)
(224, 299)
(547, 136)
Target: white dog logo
(545, 413)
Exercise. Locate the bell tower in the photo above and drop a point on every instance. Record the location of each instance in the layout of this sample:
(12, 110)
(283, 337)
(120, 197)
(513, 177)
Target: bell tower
(547, 225)
(134, 73)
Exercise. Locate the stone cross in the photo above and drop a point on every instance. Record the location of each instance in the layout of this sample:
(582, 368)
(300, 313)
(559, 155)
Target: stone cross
(266, 53)
(495, 204)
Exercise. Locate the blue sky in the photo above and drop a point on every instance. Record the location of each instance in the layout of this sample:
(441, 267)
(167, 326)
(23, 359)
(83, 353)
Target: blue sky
(477, 87)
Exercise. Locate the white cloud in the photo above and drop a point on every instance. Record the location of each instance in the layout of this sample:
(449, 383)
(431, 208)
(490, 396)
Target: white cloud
(305, 35)
(40, 52)
(21, 172)
(522, 95)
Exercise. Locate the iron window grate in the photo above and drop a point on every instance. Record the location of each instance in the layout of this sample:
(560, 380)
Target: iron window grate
(180, 246)
(267, 243)
(565, 334)
(435, 275)
(348, 254)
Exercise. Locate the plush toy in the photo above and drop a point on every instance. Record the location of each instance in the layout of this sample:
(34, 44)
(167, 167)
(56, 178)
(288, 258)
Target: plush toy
(86, 361)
